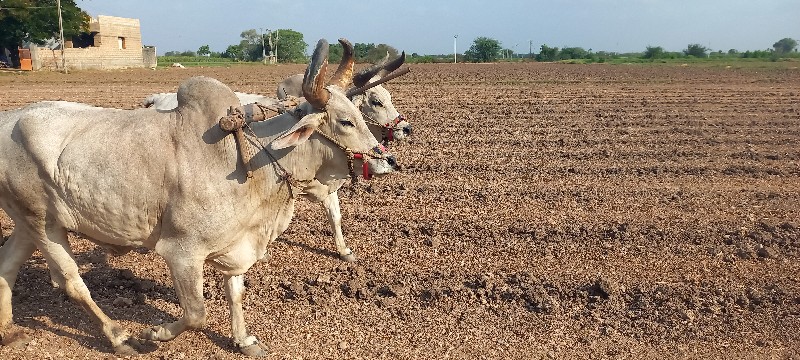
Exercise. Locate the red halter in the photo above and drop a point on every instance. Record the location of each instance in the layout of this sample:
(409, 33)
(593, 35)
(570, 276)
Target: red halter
(380, 149)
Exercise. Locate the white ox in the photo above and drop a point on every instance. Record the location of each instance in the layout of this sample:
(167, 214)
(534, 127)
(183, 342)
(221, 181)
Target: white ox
(169, 101)
(383, 119)
(325, 194)
(174, 182)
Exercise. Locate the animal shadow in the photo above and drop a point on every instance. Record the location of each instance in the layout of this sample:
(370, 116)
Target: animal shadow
(306, 247)
(39, 306)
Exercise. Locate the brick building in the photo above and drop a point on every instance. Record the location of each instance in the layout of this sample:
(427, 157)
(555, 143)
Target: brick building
(112, 43)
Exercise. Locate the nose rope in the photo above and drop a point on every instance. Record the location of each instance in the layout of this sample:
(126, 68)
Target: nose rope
(387, 129)
(377, 152)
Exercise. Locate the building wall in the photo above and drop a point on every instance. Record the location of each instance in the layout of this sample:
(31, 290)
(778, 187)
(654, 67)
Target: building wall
(90, 58)
(106, 52)
(110, 28)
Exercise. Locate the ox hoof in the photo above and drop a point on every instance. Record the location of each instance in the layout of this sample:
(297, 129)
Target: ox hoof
(254, 350)
(348, 258)
(149, 334)
(16, 339)
(131, 347)
(156, 333)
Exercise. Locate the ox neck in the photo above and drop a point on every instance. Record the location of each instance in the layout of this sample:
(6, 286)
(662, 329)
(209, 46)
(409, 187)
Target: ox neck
(316, 158)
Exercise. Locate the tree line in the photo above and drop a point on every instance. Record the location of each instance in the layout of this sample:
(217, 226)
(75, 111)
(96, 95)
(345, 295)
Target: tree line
(286, 45)
(485, 49)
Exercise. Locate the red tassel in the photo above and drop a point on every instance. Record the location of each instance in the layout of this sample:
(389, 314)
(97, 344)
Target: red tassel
(365, 168)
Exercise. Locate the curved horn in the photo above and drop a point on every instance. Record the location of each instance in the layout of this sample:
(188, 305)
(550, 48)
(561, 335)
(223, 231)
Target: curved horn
(363, 76)
(344, 73)
(393, 65)
(314, 78)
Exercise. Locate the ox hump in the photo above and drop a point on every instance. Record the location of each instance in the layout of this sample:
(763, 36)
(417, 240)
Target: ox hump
(206, 95)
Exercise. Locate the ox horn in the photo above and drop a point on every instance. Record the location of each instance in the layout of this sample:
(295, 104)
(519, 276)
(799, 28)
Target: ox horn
(363, 76)
(393, 65)
(359, 90)
(344, 73)
(314, 78)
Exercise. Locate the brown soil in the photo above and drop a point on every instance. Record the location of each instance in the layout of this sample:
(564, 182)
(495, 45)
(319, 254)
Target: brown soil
(544, 211)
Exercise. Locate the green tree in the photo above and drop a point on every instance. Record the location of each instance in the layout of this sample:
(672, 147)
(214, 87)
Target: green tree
(547, 53)
(37, 21)
(653, 52)
(573, 53)
(290, 46)
(785, 45)
(251, 45)
(361, 50)
(378, 52)
(203, 51)
(234, 52)
(483, 49)
(695, 50)
(335, 52)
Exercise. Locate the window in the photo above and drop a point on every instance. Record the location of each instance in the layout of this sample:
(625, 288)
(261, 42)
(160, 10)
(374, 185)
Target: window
(121, 41)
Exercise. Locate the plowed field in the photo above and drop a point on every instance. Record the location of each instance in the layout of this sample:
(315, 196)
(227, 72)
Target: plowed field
(543, 211)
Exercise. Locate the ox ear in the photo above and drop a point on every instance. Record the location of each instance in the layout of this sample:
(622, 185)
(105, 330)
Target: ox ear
(300, 132)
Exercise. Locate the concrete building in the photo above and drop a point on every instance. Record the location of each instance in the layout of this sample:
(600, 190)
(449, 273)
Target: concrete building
(112, 43)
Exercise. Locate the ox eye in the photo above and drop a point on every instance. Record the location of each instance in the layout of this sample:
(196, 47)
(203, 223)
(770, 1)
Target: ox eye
(346, 123)
(375, 103)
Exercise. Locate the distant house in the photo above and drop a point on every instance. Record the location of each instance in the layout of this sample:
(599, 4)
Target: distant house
(111, 43)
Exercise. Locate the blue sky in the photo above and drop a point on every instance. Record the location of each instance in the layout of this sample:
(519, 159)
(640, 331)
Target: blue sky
(428, 26)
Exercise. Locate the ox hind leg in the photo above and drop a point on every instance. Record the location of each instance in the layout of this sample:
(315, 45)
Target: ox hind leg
(53, 243)
(334, 212)
(187, 277)
(13, 254)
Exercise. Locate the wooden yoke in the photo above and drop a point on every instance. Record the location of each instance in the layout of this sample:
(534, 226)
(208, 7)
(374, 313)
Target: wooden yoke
(240, 117)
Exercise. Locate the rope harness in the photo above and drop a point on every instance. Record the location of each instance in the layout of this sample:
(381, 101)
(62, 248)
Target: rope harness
(240, 118)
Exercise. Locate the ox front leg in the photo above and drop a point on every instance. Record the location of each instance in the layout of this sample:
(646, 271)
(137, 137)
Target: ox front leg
(334, 212)
(187, 277)
(247, 344)
(13, 254)
(56, 251)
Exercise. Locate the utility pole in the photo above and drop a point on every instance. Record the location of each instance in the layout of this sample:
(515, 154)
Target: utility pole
(61, 35)
(277, 37)
(455, 48)
(263, 49)
(530, 49)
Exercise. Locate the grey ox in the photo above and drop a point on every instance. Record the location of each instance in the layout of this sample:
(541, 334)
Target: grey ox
(175, 182)
(327, 194)
(383, 119)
